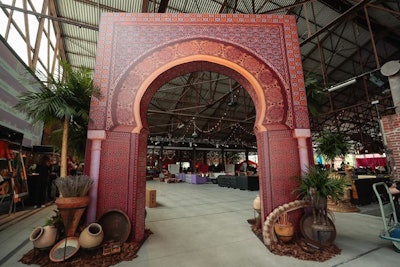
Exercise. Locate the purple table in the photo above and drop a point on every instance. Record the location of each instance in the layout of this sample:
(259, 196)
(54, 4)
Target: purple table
(195, 179)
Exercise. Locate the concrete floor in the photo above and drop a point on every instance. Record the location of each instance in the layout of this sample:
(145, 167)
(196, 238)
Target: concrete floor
(206, 226)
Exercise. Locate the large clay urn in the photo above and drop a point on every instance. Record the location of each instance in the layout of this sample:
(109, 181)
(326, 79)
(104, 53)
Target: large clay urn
(71, 210)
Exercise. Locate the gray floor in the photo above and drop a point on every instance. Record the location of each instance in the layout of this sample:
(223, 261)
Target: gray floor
(206, 225)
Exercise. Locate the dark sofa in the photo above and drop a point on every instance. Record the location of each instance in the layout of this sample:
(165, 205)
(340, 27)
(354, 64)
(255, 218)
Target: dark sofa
(241, 182)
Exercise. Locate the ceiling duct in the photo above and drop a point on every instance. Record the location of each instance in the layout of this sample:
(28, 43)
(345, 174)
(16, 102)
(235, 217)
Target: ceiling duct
(391, 70)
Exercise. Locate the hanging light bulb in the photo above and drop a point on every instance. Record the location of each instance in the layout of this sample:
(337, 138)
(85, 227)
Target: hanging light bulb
(232, 101)
(194, 134)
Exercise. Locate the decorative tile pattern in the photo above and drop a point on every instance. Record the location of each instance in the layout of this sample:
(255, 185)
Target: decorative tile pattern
(151, 32)
(113, 179)
(277, 107)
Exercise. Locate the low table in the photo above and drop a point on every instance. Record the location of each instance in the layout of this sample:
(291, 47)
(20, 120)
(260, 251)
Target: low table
(195, 179)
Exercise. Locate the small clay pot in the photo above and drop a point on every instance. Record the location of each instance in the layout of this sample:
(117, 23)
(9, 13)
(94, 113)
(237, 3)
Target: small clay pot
(284, 231)
(43, 237)
(91, 236)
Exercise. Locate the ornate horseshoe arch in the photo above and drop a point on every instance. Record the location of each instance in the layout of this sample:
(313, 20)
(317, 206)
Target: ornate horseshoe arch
(118, 132)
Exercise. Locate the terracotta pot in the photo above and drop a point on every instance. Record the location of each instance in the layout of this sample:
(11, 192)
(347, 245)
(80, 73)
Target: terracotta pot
(91, 236)
(284, 231)
(71, 210)
(43, 237)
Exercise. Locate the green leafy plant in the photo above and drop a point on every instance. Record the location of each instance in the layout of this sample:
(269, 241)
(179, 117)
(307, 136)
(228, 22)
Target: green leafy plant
(315, 94)
(64, 100)
(332, 144)
(74, 186)
(55, 221)
(326, 183)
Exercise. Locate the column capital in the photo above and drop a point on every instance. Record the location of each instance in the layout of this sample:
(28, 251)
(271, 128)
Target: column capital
(96, 134)
(301, 133)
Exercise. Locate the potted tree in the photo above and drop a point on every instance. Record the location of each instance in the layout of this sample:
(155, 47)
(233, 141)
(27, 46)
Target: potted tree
(315, 94)
(318, 185)
(66, 99)
(331, 145)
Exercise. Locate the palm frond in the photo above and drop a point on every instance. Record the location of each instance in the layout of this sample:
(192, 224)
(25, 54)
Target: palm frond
(325, 182)
(66, 99)
(332, 144)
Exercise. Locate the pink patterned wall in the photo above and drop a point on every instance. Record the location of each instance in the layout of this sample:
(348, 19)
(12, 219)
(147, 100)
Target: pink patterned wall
(139, 52)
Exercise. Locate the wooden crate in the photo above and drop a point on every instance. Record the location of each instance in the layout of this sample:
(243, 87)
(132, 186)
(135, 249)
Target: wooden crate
(151, 201)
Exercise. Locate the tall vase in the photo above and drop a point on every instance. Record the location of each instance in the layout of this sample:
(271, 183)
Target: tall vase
(91, 236)
(43, 237)
(257, 208)
(257, 203)
(71, 210)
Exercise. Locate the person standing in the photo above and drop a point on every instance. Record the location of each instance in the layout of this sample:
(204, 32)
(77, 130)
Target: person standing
(54, 173)
(394, 189)
(72, 166)
(40, 190)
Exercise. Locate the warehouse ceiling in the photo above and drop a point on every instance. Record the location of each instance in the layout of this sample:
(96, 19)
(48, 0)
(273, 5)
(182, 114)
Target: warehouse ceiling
(339, 40)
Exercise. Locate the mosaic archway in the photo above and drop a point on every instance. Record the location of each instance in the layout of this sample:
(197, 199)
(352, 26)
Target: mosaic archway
(137, 53)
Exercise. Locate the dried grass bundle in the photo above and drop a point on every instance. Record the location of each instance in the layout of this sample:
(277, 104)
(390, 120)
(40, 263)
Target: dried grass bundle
(74, 186)
(283, 219)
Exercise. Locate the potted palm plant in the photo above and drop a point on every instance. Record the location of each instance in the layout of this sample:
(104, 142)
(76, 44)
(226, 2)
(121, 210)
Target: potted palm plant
(326, 184)
(66, 99)
(332, 144)
(73, 200)
(318, 185)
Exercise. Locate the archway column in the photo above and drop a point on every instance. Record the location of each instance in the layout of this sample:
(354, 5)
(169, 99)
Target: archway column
(302, 135)
(96, 136)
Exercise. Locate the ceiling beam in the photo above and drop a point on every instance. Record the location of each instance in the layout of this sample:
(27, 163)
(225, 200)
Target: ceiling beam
(145, 6)
(64, 36)
(152, 111)
(339, 19)
(59, 19)
(163, 6)
(60, 42)
(223, 5)
(40, 31)
(27, 36)
(297, 3)
(98, 5)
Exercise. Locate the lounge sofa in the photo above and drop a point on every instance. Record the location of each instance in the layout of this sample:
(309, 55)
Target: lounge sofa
(241, 182)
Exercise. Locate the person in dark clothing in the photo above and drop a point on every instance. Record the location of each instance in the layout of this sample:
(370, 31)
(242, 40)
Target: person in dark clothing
(54, 173)
(395, 191)
(40, 189)
(395, 188)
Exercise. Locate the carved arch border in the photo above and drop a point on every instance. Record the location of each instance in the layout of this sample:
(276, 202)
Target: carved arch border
(271, 95)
